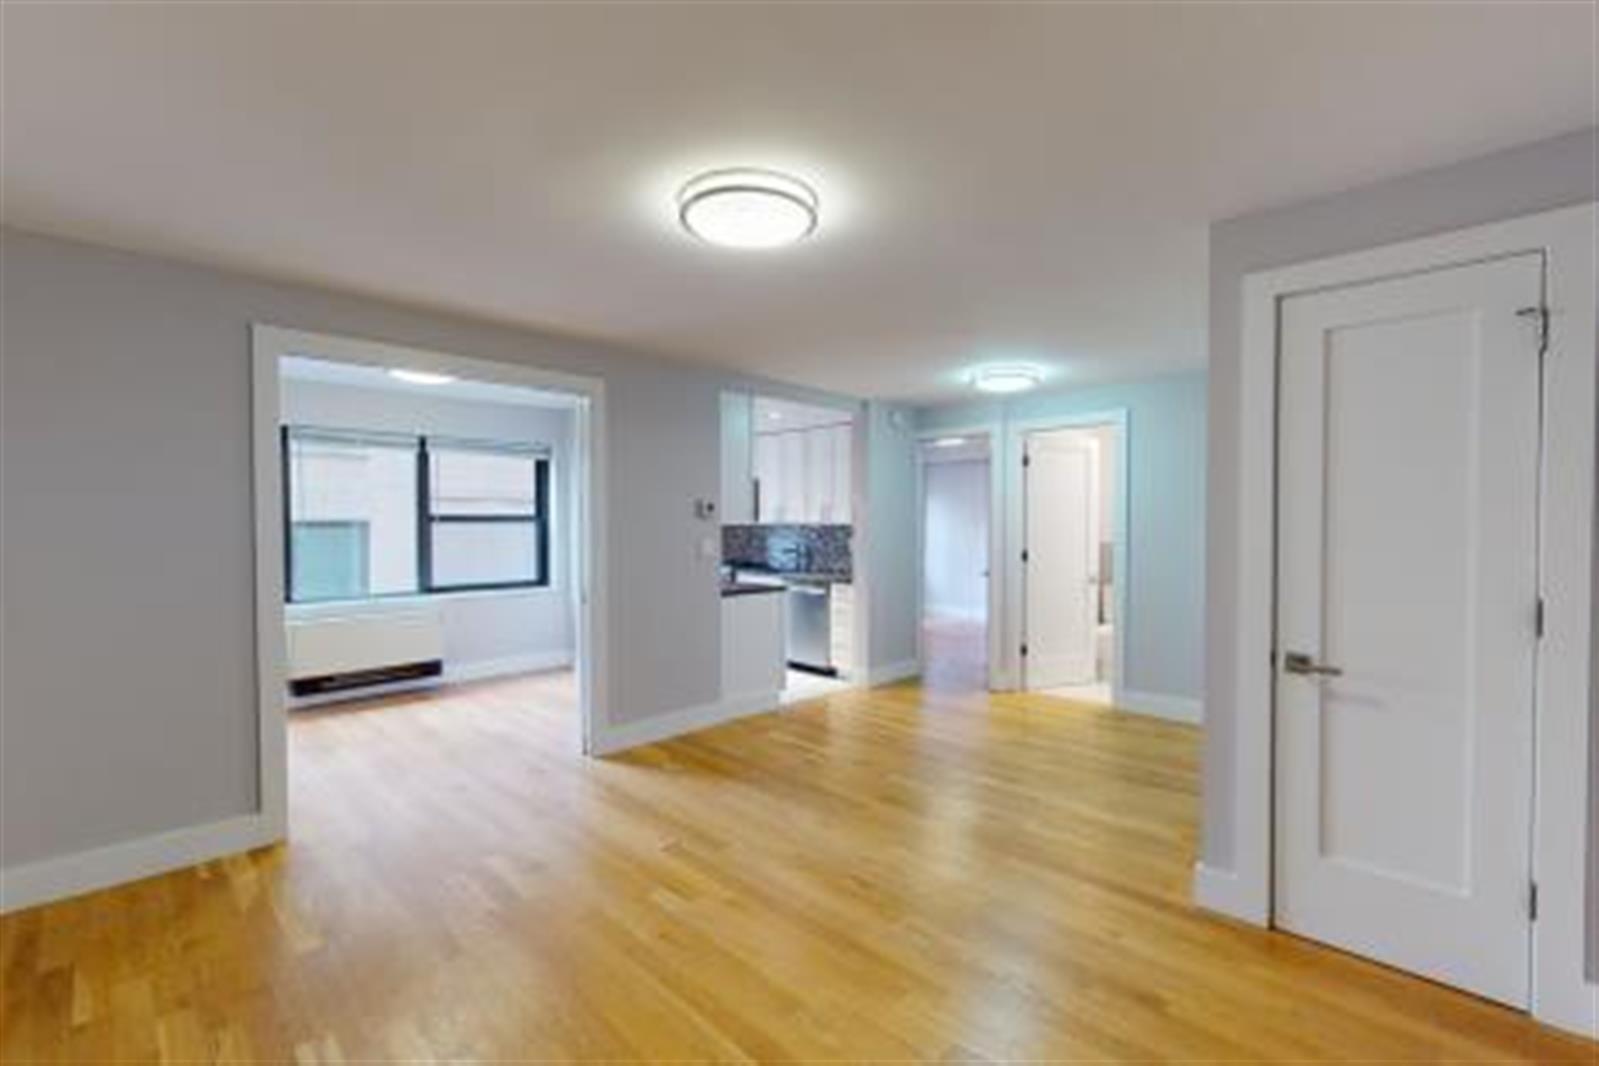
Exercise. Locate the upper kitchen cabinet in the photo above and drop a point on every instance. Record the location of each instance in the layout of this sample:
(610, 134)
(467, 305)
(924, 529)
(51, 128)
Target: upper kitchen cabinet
(801, 461)
(738, 454)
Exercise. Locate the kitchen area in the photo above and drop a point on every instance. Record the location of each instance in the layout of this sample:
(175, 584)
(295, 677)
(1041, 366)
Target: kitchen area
(787, 479)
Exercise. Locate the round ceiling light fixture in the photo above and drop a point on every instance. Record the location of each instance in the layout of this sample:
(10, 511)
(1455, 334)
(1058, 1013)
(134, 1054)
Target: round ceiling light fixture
(1006, 379)
(747, 208)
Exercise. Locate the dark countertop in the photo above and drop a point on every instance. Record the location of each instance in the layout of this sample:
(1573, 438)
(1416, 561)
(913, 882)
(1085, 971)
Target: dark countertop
(749, 588)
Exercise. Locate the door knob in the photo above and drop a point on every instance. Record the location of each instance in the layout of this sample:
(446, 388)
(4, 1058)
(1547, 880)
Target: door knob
(1297, 662)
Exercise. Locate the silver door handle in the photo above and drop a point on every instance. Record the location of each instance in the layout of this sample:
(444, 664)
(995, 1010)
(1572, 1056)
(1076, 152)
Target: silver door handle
(1297, 662)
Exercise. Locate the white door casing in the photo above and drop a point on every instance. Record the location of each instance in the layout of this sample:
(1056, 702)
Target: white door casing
(1060, 544)
(1408, 560)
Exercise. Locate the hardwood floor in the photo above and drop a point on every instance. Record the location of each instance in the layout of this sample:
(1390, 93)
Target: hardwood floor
(905, 874)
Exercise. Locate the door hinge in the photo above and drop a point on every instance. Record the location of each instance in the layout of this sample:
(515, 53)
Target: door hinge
(1024, 651)
(1540, 315)
(1027, 460)
(1532, 901)
(1025, 556)
(1537, 619)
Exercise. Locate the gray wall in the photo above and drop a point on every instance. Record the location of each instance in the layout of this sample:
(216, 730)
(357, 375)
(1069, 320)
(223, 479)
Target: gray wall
(1535, 177)
(1166, 514)
(127, 698)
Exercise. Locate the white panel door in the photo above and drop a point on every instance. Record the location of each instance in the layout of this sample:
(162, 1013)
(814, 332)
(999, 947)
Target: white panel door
(1407, 561)
(1059, 490)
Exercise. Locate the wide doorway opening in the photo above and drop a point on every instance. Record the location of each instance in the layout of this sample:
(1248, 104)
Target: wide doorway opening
(957, 493)
(423, 528)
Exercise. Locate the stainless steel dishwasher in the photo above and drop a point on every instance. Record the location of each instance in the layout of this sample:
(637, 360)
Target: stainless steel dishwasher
(810, 627)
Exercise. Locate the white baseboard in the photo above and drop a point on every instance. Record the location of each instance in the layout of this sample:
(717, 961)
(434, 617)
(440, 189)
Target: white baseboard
(1224, 892)
(1162, 705)
(530, 663)
(616, 738)
(1574, 1008)
(33, 883)
(888, 673)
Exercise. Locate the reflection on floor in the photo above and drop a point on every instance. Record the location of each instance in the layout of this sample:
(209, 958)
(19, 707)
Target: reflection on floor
(1094, 692)
(894, 874)
(954, 653)
(802, 685)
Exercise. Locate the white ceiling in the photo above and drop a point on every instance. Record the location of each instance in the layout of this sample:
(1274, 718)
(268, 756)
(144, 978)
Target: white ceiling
(997, 182)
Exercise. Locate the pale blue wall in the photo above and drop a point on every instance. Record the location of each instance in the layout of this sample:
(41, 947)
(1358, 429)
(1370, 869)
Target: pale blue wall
(1165, 517)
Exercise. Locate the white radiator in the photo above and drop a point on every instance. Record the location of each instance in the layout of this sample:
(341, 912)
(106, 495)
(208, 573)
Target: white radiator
(329, 654)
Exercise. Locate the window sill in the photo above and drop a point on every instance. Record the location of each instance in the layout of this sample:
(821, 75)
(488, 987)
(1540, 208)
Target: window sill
(396, 604)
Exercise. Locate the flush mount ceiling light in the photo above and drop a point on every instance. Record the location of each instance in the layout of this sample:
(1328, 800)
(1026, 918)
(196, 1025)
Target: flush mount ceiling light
(747, 208)
(949, 442)
(1004, 379)
(420, 377)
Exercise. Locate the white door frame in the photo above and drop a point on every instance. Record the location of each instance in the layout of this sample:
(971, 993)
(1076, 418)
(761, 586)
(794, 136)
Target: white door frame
(1017, 432)
(270, 343)
(991, 623)
(1561, 994)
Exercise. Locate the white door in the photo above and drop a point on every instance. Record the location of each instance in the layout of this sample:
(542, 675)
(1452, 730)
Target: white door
(1060, 490)
(1407, 505)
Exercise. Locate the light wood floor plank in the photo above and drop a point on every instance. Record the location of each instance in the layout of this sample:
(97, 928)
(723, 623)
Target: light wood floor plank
(907, 874)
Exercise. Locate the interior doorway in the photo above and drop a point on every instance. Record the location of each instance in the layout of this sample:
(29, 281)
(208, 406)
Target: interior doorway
(1071, 484)
(422, 520)
(957, 492)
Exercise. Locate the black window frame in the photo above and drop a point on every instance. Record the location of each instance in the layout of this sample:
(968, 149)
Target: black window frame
(426, 517)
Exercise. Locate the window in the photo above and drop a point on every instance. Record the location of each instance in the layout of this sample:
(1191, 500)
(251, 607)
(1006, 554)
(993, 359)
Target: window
(486, 522)
(374, 515)
(352, 516)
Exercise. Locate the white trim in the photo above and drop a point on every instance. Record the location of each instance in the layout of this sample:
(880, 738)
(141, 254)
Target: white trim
(1221, 891)
(996, 544)
(527, 663)
(659, 727)
(1016, 432)
(1162, 705)
(29, 884)
(589, 476)
(888, 673)
(1561, 994)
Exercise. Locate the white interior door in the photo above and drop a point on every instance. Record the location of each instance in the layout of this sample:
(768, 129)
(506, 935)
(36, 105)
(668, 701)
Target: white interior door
(1060, 490)
(1407, 510)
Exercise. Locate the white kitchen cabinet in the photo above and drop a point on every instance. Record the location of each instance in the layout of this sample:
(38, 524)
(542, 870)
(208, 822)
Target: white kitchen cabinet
(766, 477)
(818, 503)
(843, 473)
(738, 458)
(789, 501)
(804, 475)
(754, 647)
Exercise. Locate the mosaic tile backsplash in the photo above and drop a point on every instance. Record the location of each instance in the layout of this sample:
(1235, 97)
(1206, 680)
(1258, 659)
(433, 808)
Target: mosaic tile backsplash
(813, 549)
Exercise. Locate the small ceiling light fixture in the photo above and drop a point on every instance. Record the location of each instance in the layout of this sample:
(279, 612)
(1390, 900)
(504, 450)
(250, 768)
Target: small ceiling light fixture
(420, 377)
(949, 442)
(747, 208)
(1005, 379)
